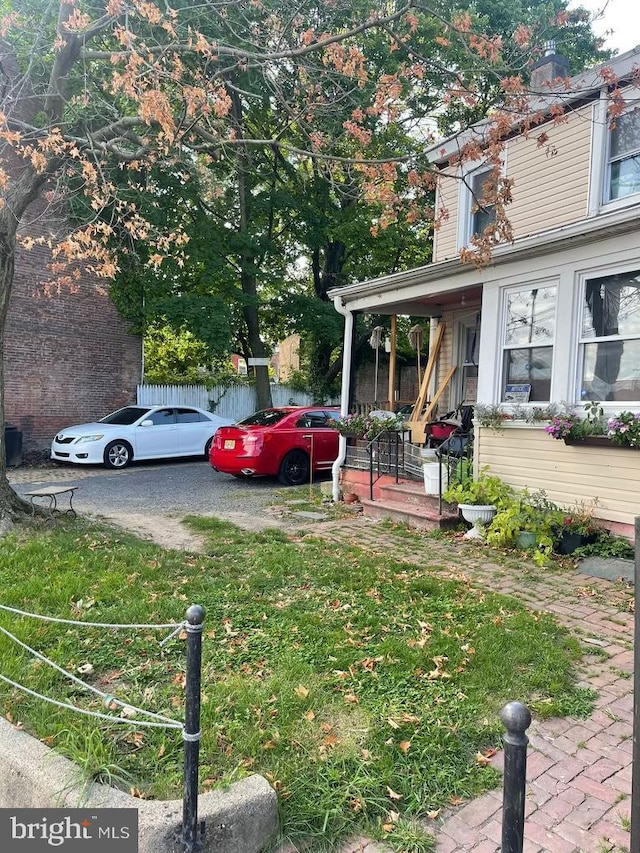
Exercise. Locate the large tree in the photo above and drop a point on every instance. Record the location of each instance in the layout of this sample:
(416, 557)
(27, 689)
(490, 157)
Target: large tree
(303, 225)
(95, 88)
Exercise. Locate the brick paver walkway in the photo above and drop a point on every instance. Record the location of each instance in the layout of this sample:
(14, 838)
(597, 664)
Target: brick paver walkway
(578, 771)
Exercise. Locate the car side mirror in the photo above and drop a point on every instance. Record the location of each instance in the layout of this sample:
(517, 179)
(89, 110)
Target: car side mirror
(146, 423)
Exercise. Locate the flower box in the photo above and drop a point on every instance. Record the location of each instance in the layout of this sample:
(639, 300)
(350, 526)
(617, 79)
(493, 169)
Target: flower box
(596, 441)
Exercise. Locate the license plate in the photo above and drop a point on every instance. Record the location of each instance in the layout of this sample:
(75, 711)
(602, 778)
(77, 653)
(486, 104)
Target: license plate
(229, 444)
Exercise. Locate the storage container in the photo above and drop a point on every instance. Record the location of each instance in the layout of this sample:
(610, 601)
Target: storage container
(432, 477)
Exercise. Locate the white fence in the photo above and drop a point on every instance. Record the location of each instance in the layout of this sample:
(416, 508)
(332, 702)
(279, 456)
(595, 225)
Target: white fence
(234, 402)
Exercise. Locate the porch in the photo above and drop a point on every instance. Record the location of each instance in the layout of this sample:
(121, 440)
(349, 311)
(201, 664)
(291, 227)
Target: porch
(388, 476)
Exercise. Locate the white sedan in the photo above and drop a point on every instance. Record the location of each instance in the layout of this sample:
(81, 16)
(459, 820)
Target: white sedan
(138, 432)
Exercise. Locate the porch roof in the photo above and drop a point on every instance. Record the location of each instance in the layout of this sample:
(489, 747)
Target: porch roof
(425, 291)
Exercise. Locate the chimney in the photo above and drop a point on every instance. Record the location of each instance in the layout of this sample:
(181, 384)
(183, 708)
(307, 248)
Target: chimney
(549, 70)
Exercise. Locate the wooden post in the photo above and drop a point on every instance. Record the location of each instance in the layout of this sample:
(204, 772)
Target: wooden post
(392, 362)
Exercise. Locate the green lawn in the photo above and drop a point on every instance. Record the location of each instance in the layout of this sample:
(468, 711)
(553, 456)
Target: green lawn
(366, 690)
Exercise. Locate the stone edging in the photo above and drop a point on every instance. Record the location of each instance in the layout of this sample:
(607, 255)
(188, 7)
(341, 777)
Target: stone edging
(240, 819)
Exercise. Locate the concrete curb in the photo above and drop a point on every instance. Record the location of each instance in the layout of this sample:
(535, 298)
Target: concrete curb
(241, 819)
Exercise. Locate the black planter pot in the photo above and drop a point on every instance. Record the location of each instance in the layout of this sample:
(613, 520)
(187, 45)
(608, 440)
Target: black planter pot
(570, 541)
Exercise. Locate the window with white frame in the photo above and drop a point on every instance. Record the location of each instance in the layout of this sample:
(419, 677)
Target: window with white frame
(476, 204)
(610, 338)
(483, 212)
(529, 334)
(623, 160)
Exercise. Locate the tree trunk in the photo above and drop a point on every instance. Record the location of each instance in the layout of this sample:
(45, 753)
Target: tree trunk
(250, 308)
(12, 508)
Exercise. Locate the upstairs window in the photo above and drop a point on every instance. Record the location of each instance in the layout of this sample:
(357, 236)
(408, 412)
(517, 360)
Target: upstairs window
(530, 331)
(610, 338)
(482, 191)
(624, 155)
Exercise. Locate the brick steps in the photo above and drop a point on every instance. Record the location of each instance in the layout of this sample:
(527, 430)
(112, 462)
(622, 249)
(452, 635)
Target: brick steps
(405, 501)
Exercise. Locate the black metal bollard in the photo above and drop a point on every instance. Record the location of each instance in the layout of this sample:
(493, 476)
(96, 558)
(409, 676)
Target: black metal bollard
(516, 719)
(191, 733)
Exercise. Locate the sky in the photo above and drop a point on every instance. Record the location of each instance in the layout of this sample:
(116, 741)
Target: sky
(621, 16)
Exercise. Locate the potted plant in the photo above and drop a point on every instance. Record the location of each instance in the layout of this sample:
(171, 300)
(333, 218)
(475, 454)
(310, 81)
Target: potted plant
(526, 522)
(575, 531)
(479, 500)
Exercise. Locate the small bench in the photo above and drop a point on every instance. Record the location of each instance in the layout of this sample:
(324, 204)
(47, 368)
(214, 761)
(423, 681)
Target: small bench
(52, 493)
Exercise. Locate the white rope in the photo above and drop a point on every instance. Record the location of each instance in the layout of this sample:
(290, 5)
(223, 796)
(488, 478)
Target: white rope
(82, 683)
(173, 625)
(137, 723)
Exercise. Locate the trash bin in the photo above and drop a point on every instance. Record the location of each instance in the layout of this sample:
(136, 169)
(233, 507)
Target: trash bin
(12, 445)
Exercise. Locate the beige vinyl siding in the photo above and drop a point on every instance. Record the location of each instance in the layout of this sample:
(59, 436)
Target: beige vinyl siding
(528, 457)
(446, 239)
(550, 189)
(550, 183)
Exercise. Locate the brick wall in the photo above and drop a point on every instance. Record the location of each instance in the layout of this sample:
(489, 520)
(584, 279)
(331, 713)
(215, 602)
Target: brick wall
(68, 356)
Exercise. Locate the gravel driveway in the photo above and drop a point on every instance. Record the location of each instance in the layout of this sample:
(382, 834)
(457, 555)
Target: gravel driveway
(151, 498)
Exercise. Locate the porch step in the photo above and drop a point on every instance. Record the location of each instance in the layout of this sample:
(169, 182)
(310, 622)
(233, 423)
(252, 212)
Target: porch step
(421, 515)
(408, 492)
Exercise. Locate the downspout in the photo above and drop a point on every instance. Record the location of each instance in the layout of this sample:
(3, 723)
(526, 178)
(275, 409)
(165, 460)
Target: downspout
(344, 395)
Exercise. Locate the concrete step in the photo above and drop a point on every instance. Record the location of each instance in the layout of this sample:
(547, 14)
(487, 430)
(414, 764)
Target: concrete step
(417, 515)
(411, 493)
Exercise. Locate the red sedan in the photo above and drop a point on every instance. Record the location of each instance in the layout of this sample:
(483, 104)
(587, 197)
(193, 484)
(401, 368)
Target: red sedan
(288, 442)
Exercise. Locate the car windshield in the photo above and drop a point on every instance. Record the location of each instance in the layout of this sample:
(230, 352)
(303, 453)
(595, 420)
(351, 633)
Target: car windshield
(266, 417)
(128, 415)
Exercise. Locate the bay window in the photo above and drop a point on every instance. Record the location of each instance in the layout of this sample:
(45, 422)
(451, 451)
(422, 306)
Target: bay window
(610, 338)
(529, 335)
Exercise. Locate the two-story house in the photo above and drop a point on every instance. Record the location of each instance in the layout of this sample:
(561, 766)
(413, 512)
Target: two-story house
(554, 317)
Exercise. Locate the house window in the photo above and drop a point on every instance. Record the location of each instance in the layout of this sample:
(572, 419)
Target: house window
(624, 155)
(610, 338)
(482, 210)
(528, 341)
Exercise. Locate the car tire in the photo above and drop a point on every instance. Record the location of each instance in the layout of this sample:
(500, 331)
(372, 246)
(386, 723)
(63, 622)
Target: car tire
(294, 468)
(118, 454)
(207, 448)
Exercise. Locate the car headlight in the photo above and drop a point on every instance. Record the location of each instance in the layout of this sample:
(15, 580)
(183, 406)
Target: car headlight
(84, 438)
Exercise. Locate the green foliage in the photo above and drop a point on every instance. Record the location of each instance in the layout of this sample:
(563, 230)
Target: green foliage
(530, 512)
(485, 491)
(179, 358)
(366, 426)
(607, 545)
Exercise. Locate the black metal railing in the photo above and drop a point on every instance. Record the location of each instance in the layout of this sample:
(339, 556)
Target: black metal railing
(386, 452)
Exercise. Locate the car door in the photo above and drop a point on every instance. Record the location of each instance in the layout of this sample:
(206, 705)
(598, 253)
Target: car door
(158, 439)
(194, 430)
(320, 438)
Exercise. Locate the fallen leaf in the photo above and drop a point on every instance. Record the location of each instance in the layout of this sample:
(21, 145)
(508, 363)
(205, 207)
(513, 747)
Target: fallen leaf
(161, 751)
(434, 814)
(392, 794)
(456, 801)
(310, 715)
(482, 760)
(301, 691)
(404, 746)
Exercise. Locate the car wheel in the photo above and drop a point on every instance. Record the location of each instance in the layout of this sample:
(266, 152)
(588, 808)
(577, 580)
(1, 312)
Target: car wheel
(118, 454)
(294, 470)
(207, 448)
